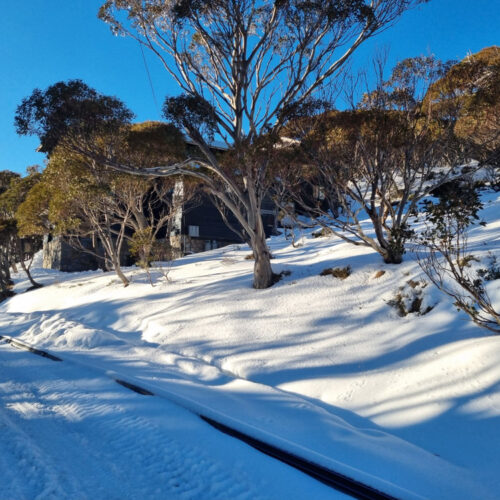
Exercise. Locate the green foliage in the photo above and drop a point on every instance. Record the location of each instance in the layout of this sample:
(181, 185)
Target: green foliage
(469, 93)
(192, 113)
(152, 143)
(144, 247)
(15, 247)
(457, 208)
(492, 271)
(6, 177)
(32, 213)
(68, 108)
(16, 193)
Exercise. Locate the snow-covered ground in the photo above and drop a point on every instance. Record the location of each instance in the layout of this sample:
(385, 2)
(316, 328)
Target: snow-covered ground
(69, 433)
(317, 365)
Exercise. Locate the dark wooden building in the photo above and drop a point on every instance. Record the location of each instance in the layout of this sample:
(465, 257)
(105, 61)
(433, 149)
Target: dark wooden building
(197, 227)
(201, 227)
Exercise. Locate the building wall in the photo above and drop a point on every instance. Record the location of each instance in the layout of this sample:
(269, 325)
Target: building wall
(211, 227)
(196, 228)
(57, 254)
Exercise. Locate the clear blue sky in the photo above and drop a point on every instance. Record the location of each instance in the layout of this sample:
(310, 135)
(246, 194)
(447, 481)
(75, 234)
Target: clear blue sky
(45, 41)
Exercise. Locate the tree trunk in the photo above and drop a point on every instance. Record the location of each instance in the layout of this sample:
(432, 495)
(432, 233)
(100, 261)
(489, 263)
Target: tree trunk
(393, 258)
(119, 272)
(28, 273)
(392, 249)
(263, 276)
(395, 247)
(5, 281)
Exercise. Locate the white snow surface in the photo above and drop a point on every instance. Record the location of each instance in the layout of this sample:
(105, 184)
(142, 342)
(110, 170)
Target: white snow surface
(318, 366)
(70, 433)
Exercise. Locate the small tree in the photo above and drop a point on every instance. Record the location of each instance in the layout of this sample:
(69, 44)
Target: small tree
(81, 198)
(82, 203)
(377, 160)
(447, 261)
(18, 248)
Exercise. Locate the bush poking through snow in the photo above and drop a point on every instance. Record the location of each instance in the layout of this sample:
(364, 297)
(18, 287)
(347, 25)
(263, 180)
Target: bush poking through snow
(324, 232)
(492, 272)
(337, 272)
(279, 276)
(447, 262)
(410, 299)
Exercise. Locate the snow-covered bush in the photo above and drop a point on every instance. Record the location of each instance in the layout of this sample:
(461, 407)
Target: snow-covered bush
(447, 261)
(411, 299)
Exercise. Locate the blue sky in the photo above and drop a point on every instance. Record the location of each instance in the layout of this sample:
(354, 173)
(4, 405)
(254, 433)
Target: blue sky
(45, 41)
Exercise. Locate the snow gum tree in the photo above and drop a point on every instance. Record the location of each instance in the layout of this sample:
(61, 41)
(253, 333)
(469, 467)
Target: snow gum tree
(242, 67)
(377, 159)
(81, 198)
(78, 200)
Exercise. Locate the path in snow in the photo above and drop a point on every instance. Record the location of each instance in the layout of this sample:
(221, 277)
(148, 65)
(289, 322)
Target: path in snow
(69, 432)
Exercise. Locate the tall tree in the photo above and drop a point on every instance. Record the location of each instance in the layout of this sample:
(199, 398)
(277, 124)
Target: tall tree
(244, 66)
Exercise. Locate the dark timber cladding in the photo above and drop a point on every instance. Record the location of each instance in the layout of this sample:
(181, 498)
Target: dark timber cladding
(211, 226)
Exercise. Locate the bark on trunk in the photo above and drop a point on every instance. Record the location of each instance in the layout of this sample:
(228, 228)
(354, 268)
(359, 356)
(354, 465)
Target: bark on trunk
(263, 276)
(393, 257)
(119, 272)
(5, 281)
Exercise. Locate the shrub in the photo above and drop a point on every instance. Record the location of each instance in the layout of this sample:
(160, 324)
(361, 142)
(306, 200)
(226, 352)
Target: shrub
(410, 299)
(492, 272)
(322, 233)
(447, 262)
(337, 272)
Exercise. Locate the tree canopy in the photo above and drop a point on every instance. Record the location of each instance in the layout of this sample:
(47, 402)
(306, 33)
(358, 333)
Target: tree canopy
(469, 93)
(68, 110)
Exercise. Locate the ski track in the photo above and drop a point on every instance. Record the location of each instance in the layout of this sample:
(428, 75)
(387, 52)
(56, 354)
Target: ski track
(82, 437)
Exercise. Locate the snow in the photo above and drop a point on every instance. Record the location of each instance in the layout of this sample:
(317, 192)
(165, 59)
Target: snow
(68, 432)
(316, 365)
